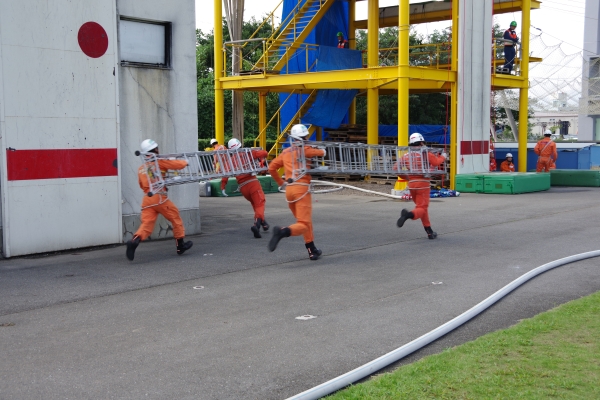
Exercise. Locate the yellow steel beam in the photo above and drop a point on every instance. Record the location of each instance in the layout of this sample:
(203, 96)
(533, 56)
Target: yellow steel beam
(373, 63)
(218, 71)
(443, 15)
(500, 81)
(454, 99)
(352, 45)
(524, 91)
(262, 118)
(403, 82)
(344, 79)
(501, 61)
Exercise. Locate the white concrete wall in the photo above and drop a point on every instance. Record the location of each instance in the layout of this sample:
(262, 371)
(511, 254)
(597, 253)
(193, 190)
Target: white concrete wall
(160, 104)
(474, 76)
(591, 48)
(54, 96)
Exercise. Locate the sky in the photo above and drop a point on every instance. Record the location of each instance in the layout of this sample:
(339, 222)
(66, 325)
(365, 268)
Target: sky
(559, 20)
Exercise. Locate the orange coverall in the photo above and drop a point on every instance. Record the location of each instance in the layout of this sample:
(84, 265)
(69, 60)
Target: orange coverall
(216, 161)
(546, 150)
(493, 165)
(297, 193)
(507, 166)
(159, 203)
(419, 186)
(253, 191)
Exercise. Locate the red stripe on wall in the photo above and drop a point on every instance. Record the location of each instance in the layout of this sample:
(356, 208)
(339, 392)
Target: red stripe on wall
(61, 163)
(475, 147)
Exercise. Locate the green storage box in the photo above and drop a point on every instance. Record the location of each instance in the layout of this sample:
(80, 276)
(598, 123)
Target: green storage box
(515, 183)
(267, 182)
(469, 183)
(574, 177)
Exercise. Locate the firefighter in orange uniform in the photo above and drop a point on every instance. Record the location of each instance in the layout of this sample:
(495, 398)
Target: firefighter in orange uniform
(297, 194)
(252, 191)
(159, 203)
(216, 146)
(418, 185)
(493, 165)
(546, 150)
(507, 165)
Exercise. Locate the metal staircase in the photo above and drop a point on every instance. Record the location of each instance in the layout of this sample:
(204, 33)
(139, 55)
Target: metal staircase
(292, 32)
(296, 119)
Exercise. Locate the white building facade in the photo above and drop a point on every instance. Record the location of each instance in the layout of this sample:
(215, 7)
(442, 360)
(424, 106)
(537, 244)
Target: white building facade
(81, 85)
(550, 119)
(589, 120)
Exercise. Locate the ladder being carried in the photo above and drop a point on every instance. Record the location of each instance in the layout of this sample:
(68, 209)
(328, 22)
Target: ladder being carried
(340, 158)
(201, 166)
(365, 159)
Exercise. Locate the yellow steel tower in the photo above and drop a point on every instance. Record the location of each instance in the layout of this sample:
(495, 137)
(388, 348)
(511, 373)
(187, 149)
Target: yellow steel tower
(373, 79)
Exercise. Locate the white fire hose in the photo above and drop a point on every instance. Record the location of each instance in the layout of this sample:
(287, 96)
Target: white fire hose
(373, 366)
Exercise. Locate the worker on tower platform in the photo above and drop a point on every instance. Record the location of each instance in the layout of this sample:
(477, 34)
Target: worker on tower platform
(252, 191)
(419, 185)
(297, 193)
(216, 146)
(342, 43)
(511, 40)
(507, 165)
(546, 151)
(158, 203)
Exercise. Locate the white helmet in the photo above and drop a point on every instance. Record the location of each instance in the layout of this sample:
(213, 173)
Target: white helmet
(298, 131)
(508, 155)
(416, 137)
(213, 141)
(234, 144)
(148, 145)
(548, 132)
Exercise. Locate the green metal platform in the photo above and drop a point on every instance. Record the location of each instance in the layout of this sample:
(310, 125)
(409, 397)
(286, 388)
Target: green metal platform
(575, 177)
(267, 182)
(503, 183)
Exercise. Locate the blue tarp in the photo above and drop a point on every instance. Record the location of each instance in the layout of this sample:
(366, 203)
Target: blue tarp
(432, 133)
(331, 106)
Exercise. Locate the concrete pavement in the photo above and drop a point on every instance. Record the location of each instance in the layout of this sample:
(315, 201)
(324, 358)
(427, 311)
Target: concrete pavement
(91, 324)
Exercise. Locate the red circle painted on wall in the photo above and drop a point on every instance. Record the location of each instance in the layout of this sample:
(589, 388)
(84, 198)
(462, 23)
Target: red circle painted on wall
(93, 39)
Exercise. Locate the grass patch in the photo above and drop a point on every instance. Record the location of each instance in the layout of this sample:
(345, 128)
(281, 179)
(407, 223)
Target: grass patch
(553, 355)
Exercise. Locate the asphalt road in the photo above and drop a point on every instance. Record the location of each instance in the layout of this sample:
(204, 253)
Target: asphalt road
(91, 324)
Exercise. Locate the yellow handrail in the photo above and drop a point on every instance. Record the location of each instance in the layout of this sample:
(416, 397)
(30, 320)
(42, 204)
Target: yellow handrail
(277, 113)
(292, 121)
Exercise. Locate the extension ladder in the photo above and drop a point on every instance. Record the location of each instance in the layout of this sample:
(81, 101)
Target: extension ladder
(202, 166)
(365, 159)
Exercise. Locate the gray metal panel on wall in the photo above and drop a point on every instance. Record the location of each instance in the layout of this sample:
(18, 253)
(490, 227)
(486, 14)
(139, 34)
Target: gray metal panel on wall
(160, 103)
(474, 82)
(61, 86)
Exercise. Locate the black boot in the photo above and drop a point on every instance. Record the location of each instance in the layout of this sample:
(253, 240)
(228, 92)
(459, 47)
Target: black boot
(183, 246)
(313, 252)
(278, 234)
(256, 228)
(404, 215)
(265, 226)
(131, 246)
(430, 233)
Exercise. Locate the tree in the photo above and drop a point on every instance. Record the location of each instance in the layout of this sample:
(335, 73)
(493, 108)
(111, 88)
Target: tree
(205, 83)
(429, 108)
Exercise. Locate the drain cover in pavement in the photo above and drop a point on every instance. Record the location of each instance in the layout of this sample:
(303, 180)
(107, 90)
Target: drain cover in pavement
(306, 317)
